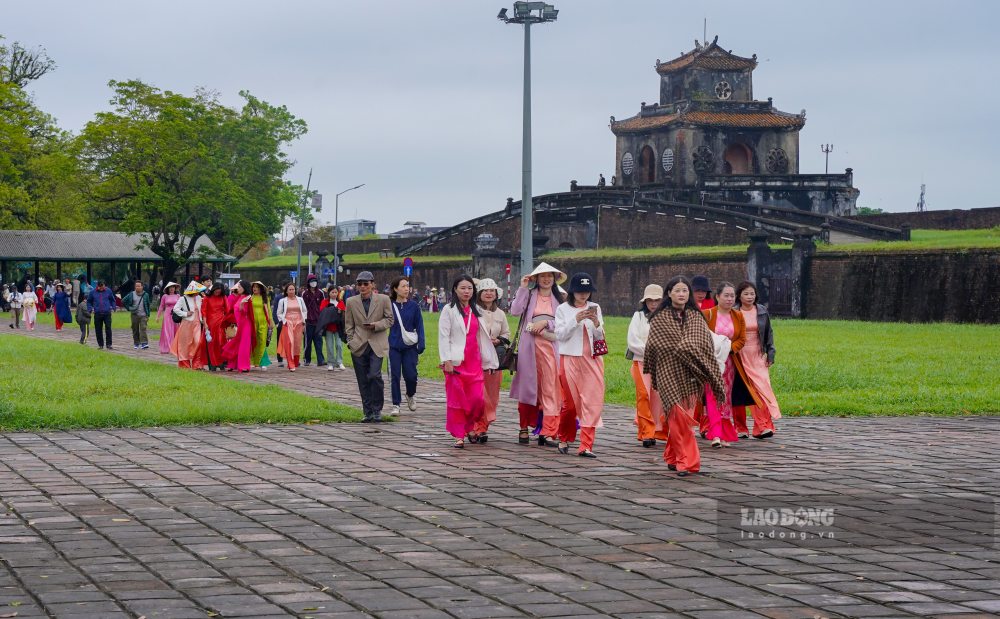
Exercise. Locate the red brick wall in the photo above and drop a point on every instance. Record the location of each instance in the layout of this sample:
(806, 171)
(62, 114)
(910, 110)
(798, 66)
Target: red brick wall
(957, 219)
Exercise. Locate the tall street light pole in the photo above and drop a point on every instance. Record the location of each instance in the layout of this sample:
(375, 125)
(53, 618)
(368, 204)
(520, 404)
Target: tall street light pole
(527, 13)
(827, 149)
(336, 230)
(302, 226)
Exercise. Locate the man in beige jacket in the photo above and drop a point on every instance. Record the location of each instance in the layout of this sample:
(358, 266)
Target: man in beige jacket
(367, 318)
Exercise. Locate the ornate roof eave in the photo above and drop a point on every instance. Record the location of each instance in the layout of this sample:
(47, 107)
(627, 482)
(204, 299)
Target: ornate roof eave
(711, 53)
(773, 121)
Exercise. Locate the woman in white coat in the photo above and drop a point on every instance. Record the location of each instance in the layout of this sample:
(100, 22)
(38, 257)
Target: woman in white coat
(466, 350)
(292, 315)
(579, 323)
(648, 408)
(495, 322)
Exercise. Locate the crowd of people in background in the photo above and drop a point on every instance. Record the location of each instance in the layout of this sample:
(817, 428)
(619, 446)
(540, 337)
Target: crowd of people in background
(700, 357)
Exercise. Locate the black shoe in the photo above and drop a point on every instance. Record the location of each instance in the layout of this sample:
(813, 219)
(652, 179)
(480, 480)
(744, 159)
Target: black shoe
(523, 437)
(473, 438)
(682, 473)
(648, 442)
(367, 420)
(377, 419)
(543, 441)
(671, 467)
(563, 450)
(483, 438)
(587, 454)
(100, 348)
(109, 348)
(765, 434)
(704, 435)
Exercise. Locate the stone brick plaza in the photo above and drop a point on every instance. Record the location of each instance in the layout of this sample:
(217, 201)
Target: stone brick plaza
(356, 520)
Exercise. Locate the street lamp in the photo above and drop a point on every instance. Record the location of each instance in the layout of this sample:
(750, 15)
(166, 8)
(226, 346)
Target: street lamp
(336, 230)
(302, 226)
(527, 13)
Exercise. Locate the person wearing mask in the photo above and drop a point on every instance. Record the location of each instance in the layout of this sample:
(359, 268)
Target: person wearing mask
(579, 323)
(757, 356)
(15, 299)
(367, 318)
(83, 317)
(313, 298)
(648, 408)
(724, 320)
(536, 380)
(29, 303)
(102, 304)
(61, 306)
(189, 342)
(494, 321)
(292, 315)
(702, 292)
(404, 348)
(137, 304)
(466, 350)
(331, 324)
(215, 310)
(168, 328)
(680, 359)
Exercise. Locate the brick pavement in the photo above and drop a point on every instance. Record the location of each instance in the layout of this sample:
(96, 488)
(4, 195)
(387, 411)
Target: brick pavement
(352, 520)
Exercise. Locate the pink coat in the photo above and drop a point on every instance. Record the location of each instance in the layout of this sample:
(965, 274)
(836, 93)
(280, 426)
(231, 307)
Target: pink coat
(524, 387)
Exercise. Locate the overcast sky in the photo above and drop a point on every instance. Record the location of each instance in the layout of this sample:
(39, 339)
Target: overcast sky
(421, 100)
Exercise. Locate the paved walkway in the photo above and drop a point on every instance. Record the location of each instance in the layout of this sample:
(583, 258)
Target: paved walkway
(354, 520)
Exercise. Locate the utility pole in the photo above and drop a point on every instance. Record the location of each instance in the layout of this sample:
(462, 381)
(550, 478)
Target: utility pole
(302, 226)
(827, 149)
(921, 205)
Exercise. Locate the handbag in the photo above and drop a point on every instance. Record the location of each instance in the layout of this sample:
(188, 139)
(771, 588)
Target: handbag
(600, 348)
(509, 360)
(410, 338)
(501, 348)
(178, 318)
(230, 331)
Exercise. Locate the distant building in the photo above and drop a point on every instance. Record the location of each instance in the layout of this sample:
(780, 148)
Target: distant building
(708, 138)
(353, 228)
(415, 229)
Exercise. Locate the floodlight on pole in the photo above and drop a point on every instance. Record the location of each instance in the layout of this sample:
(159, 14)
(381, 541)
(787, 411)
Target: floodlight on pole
(336, 230)
(527, 13)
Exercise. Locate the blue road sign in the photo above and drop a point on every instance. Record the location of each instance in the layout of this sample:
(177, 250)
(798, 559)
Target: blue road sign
(407, 270)
(293, 274)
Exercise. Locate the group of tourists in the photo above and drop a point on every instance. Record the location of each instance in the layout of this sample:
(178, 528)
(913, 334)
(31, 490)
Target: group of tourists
(700, 357)
(698, 361)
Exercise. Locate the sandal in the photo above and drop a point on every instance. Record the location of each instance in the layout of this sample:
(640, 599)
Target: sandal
(459, 444)
(523, 437)
(544, 441)
(473, 437)
(563, 448)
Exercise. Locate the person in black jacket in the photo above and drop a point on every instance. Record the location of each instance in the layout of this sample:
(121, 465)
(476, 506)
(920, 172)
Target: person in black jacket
(331, 324)
(757, 356)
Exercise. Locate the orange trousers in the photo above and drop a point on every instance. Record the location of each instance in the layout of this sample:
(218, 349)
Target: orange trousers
(761, 419)
(567, 422)
(647, 405)
(682, 448)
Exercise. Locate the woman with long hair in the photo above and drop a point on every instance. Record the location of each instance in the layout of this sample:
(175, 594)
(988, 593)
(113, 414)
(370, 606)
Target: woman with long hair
(495, 322)
(465, 351)
(757, 356)
(648, 408)
(536, 381)
(725, 320)
(579, 323)
(189, 342)
(262, 325)
(60, 306)
(331, 324)
(168, 329)
(680, 358)
(29, 303)
(237, 351)
(292, 316)
(404, 355)
(215, 309)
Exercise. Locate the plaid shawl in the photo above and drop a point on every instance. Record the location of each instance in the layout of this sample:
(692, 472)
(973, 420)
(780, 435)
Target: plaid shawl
(680, 357)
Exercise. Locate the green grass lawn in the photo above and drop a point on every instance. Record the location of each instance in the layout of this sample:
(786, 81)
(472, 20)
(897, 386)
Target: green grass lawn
(119, 320)
(843, 367)
(54, 385)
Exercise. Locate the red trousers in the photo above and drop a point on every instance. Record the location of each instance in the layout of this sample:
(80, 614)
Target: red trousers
(762, 421)
(682, 447)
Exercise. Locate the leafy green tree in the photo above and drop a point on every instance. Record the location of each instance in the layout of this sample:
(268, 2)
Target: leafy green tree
(177, 167)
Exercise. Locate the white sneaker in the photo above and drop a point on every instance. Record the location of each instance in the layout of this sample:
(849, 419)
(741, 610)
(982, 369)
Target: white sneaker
(411, 403)
(329, 368)
(395, 409)
(341, 367)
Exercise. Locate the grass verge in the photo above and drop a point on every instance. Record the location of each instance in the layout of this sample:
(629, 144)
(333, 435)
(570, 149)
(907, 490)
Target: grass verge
(53, 385)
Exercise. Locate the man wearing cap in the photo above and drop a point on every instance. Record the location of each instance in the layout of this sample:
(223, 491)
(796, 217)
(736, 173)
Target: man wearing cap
(367, 318)
(102, 304)
(313, 297)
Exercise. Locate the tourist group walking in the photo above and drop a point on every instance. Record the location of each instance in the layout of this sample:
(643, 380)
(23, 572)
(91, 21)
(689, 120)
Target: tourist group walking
(699, 357)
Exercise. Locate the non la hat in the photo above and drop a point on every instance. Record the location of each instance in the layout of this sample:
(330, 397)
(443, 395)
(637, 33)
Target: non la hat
(488, 284)
(545, 267)
(194, 288)
(169, 284)
(653, 292)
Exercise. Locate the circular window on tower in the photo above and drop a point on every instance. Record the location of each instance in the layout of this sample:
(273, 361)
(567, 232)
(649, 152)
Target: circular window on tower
(668, 159)
(628, 164)
(723, 90)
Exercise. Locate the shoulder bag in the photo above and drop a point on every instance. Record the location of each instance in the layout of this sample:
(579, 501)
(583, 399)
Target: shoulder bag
(509, 360)
(410, 338)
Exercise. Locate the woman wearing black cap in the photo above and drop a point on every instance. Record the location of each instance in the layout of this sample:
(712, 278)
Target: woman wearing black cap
(579, 324)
